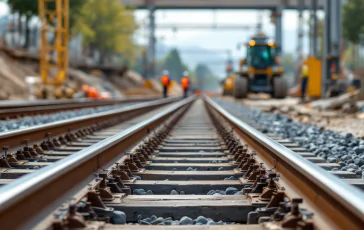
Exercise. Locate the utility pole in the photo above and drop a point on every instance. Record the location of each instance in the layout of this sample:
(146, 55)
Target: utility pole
(314, 28)
(299, 50)
(152, 40)
(332, 42)
(277, 20)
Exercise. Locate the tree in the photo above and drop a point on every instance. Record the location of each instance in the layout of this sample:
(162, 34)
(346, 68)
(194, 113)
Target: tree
(206, 80)
(173, 63)
(353, 21)
(106, 27)
(288, 63)
(29, 9)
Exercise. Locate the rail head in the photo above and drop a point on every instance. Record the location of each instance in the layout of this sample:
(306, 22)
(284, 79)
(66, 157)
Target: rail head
(347, 195)
(21, 190)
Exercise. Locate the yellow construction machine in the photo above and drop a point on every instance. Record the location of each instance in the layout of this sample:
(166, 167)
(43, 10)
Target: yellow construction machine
(53, 53)
(260, 71)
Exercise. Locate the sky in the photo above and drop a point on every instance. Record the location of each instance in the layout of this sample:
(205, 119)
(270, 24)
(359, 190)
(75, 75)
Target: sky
(217, 41)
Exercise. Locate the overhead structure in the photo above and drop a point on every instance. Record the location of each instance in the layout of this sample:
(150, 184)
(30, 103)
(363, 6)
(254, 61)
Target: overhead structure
(216, 26)
(219, 4)
(53, 52)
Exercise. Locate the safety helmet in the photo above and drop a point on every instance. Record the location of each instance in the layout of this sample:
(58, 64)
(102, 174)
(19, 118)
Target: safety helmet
(185, 73)
(165, 72)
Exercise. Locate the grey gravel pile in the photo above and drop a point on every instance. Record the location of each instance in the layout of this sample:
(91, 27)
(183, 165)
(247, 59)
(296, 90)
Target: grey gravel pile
(29, 121)
(347, 150)
(201, 220)
(228, 191)
(230, 178)
(142, 192)
(175, 192)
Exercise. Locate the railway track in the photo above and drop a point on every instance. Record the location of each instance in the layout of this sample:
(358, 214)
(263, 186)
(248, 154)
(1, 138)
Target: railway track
(190, 162)
(17, 109)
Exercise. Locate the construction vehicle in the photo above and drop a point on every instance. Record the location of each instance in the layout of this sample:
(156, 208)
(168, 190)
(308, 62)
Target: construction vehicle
(259, 72)
(53, 53)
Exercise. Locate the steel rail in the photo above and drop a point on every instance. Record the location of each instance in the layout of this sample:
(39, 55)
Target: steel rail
(23, 200)
(37, 133)
(31, 108)
(32, 103)
(339, 203)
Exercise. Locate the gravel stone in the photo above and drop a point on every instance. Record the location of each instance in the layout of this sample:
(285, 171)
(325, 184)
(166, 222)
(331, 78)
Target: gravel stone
(185, 221)
(201, 220)
(231, 190)
(159, 220)
(118, 217)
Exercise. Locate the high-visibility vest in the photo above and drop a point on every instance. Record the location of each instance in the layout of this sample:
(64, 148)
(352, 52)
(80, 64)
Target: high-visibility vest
(165, 80)
(185, 82)
(305, 71)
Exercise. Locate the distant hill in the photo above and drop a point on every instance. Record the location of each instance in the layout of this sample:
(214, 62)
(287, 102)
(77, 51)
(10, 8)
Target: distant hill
(193, 54)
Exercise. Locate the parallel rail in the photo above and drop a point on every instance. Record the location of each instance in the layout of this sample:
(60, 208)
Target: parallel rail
(38, 133)
(21, 108)
(37, 194)
(336, 204)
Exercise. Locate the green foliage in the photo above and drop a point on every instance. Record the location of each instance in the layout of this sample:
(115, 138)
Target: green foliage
(206, 79)
(30, 7)
(288, 63)
(173, 63)
(107, 26)
(353, 20)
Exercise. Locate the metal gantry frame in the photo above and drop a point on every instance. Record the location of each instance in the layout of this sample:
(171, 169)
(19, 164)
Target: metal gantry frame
(53, 53)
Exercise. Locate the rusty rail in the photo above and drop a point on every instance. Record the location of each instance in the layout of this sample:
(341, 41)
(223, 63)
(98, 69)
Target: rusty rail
(336, 204)
(38, 133)
(33, 196)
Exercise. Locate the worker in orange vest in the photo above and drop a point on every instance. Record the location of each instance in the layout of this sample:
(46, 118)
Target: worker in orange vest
(165, 82)
(85, 89)
(185, 83)
(93, 93)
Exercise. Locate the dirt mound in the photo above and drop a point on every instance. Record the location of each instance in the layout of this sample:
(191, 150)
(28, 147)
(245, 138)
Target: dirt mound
(14, 69)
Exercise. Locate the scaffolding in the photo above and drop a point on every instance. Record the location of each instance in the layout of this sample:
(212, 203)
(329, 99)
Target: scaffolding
(53, 53)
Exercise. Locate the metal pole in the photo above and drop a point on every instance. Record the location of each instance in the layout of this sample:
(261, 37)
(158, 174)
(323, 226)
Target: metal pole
(152, 40)
(278, 32)
(332, 42)
(314, 28)
(324, 80)
(300, 31)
